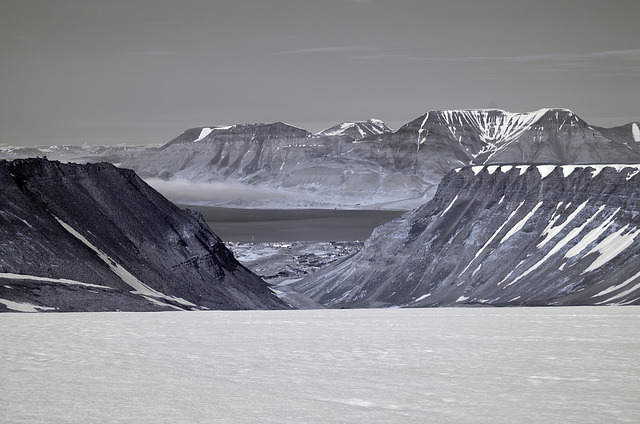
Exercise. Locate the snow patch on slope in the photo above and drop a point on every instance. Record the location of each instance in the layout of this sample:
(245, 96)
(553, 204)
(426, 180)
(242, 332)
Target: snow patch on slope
(612, 246)
(567, 170)
(24, 307)
(493, 126)
(363, 128)
(138, 286)
(619, 286)
(203, 133)
(636, 132)
(517, 227)
(49, 280)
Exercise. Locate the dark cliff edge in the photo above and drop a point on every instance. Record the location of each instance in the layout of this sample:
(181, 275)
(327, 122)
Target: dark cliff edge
(97, 238)
(522, 235)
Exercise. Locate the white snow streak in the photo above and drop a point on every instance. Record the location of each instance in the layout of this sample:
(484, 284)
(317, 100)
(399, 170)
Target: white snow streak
(632, 174)
(24, 307)
(550, 232)
(449, 207)
(556, 248)
(612, 246)
(203, 133)
(618, 286)
(424, 296)
(636, 132)
(479, 252)
(592, 235)
(521, 223)
(138, 286)
(50, 280)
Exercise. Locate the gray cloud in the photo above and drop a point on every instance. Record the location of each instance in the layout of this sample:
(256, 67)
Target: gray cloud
(617, 54)
(332, 49)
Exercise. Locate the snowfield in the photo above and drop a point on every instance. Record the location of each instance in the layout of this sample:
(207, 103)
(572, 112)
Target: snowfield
(451, 365)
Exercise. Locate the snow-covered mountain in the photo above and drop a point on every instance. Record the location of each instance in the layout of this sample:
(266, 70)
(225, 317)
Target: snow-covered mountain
(544, 136)
(302, 169)
(501, 235)
(97, 238)
(339, 168)
(363, 164)
(357, 130)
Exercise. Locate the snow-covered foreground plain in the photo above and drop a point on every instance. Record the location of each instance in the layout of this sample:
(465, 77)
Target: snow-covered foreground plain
(494, 365)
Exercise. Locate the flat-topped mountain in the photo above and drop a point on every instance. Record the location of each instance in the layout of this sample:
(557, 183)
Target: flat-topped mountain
(240, 132)
(504, 236)
(365, 164)
(97, 238)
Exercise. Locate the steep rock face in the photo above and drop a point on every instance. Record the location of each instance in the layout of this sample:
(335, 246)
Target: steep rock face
(251, 153)
(364, 163)
(501, 235)
(433, 144)
(95, 237)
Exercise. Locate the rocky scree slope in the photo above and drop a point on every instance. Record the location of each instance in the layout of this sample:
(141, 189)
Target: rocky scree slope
(97, 238)
(504, 236)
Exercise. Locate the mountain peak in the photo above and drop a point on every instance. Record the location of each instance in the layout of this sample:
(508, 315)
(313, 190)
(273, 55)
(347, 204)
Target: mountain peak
(270, 130)
(357, 130)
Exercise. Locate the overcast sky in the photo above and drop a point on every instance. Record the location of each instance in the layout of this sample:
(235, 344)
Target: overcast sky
(142, 71)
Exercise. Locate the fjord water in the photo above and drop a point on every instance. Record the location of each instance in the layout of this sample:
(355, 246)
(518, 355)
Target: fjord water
(276, 225)
(451, 365)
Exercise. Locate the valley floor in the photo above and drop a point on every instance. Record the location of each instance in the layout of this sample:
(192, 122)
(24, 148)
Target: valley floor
(284, 245)
(283, 261)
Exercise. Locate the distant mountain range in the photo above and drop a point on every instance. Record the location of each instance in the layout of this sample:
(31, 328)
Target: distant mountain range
(517, 209)
(366, 164)
(97, 238)
(522, 235)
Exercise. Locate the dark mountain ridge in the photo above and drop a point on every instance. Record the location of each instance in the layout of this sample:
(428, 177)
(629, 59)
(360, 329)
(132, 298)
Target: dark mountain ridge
(503, 236)
(97, 238)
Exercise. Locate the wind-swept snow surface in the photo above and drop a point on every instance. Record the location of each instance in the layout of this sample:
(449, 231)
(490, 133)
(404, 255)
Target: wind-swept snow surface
(389, 366)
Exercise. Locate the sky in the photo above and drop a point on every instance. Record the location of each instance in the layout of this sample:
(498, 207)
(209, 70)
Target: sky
(143, 71)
